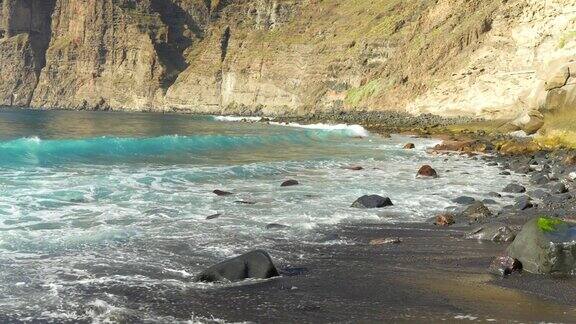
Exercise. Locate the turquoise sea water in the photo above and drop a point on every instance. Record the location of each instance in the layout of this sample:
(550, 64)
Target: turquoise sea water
(94, 201)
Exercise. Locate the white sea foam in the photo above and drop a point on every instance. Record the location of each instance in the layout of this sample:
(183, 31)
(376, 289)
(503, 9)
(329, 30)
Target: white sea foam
(353, 130)
(237, 118)
(88, 228)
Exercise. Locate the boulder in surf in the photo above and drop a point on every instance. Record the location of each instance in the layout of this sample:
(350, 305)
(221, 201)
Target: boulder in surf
(252, 265)
(372, 201)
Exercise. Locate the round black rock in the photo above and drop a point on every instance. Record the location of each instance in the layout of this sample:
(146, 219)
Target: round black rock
(289, 183)
(372, 201)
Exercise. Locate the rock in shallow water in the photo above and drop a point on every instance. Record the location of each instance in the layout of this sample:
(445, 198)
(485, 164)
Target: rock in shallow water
(514, 188)
(494, 194)
(276, 226)
(409, 146)
(213, 216)
(218, 192)
(546, 245)
(353, 168)
(289, 183)
(427, 171)
(384, 241)
(256, 265)
(464, 200)
(372, 201)
(489, 201)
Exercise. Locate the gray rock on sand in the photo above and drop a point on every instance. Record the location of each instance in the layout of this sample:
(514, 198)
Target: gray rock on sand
(289, 183)
(496, 232)
(539, 179)
(252, 265)
(546, 245)
(559, 188)
(514, 188)
(558, 199)
(476, 212)
(540, 194)
(524, 202)
(372, 201)
(504, 265)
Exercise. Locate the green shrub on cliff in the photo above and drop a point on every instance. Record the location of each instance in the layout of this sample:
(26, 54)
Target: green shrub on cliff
(568, 36)
(357, 95)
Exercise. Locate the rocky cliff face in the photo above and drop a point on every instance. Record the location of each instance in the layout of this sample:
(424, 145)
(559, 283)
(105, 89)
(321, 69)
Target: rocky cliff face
(24, 36)
(450, 57)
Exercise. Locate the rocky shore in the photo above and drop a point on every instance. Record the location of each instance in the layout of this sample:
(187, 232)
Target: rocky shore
(383, 122)
(478, 260)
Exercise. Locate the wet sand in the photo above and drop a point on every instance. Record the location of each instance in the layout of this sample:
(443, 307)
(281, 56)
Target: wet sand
(433, 275)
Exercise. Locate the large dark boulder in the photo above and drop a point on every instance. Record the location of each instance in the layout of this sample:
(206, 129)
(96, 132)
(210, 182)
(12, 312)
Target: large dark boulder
(372, 201)
(496, 232)
(256, 265)
(546, 245)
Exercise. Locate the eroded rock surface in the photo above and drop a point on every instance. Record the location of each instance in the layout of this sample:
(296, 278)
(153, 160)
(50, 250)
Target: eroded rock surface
(506, 59)
(546, 245)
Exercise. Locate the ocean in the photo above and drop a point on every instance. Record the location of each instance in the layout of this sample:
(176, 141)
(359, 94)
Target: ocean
(97, 204)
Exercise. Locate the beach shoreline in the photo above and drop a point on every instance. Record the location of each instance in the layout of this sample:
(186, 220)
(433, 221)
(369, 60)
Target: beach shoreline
(427, 273)
(434, 275)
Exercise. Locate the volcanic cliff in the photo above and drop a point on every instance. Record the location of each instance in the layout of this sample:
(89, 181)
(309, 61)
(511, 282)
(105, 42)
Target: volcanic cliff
(490, 58)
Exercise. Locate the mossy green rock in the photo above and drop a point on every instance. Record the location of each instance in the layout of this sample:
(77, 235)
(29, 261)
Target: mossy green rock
(546, 245)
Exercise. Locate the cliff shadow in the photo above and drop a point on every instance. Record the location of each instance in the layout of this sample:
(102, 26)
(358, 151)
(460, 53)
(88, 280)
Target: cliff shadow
(183, 31)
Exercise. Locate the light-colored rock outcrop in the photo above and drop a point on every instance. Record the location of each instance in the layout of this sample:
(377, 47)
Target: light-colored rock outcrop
(518, 68)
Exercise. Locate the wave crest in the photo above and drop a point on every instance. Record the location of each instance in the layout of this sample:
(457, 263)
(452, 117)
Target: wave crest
(36, 151)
